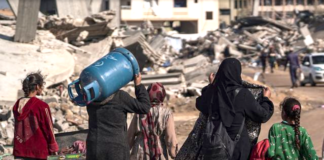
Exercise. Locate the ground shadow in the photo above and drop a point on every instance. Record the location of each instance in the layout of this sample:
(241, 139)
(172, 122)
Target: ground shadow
(5, 37)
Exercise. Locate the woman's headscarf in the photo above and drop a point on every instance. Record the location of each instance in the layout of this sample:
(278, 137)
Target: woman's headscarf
(148, 121)
(157, 93)
(227, 80)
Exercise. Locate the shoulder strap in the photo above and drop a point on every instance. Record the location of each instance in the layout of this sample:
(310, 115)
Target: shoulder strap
(238, 136)
(210, 105)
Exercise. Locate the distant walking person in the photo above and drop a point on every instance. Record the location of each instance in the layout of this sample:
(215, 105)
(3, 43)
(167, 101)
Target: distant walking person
(272, 58)
(152, 136)
(287, 139)
(293, 60)
(107, 136)
(227, 52)
(263, 59)
(34, 135)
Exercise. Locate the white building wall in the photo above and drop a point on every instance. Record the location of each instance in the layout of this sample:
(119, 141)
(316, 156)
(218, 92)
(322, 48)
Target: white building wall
(208, 25)
(140, 11)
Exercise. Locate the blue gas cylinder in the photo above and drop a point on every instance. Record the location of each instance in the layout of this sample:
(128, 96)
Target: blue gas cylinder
(104, 77)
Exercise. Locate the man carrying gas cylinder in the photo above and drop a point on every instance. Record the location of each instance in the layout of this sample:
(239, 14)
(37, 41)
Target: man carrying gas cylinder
(98, 88)
(107, 137)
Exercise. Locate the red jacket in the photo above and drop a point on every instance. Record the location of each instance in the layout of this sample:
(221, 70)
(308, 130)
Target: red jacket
(34, 136)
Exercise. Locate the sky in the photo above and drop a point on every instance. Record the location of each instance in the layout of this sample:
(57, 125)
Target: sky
(3, 4)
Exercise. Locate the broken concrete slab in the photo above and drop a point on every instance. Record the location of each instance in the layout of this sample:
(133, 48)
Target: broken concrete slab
(61, 126)
(7, 22)
(176, 69)
(247, 47)
(254, 21)
(256, 39)
(173, 81)
(308, 40)
(99, 48)
(142, 50)
(200, 74)
(157, 43)
(197, 61)
(224, 41)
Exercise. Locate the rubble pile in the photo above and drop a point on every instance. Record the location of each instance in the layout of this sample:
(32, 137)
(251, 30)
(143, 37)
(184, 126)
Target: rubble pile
(77, 31)
(246, 38)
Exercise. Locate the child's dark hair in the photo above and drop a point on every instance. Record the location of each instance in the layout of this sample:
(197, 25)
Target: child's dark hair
(31, 81)
(292, 108)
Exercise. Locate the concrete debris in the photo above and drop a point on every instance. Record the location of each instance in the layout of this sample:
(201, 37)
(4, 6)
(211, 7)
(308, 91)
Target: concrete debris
(5, 113)
(61, 126)
(142, 50)
(157, 43)
(197, 61)
(76, 31)
(50, 99)
(7, 22)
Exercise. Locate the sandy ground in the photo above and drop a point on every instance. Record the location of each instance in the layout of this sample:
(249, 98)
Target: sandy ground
(312, 117)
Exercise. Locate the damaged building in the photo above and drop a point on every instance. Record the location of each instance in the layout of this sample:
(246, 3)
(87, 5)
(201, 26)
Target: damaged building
(178, 48)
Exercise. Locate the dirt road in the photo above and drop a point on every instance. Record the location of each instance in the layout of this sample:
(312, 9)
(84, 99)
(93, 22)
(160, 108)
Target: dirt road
(312, 120)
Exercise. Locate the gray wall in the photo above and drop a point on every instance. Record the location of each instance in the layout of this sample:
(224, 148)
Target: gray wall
(27, 20)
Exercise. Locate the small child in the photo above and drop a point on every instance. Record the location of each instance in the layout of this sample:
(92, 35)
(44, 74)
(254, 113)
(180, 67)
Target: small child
(287, 139)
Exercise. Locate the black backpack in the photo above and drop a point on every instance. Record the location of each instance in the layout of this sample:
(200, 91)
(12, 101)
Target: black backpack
(217, 144)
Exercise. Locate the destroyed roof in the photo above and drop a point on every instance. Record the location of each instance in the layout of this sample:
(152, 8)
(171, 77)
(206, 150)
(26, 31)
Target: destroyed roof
(95, 26)
(255, 21)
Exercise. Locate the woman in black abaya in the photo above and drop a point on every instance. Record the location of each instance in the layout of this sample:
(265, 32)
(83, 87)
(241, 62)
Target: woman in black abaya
(232, 109)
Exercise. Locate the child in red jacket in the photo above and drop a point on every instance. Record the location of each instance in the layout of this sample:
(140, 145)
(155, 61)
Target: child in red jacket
(34, 136)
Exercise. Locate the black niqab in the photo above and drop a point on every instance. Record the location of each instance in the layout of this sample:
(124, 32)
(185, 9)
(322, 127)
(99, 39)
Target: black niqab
(227, 80)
